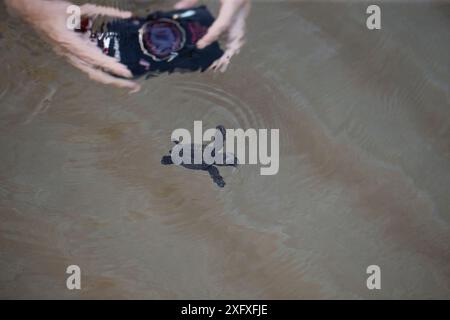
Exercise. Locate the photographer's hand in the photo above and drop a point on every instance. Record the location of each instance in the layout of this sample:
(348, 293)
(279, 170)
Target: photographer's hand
(231, 20)
(50, 18)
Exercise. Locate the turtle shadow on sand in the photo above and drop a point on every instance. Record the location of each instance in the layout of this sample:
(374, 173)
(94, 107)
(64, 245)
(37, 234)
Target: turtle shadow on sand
(227, 159)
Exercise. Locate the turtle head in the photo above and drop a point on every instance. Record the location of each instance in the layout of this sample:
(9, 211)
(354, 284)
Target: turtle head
(222, 130)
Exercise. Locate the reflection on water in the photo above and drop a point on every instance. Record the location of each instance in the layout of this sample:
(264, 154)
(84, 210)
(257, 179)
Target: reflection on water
(364, 171)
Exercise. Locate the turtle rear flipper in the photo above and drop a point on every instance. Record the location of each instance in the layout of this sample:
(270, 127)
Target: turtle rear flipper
(215, 175)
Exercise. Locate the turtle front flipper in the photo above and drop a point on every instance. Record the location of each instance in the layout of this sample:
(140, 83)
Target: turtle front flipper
(215, 175)
(166, 160)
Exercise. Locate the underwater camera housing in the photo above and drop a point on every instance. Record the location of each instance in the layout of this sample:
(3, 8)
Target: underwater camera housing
(161, 42)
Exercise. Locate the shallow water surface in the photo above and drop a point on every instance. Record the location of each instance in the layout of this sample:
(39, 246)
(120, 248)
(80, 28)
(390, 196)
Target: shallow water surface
(364, 174)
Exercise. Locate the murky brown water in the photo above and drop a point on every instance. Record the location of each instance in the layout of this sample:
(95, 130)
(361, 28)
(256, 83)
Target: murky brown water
(364, 175)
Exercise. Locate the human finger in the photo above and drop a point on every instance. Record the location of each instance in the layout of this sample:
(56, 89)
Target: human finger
(222, 23)
(92, 9)
(92, 55)
(102, 77)
(185, 4)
